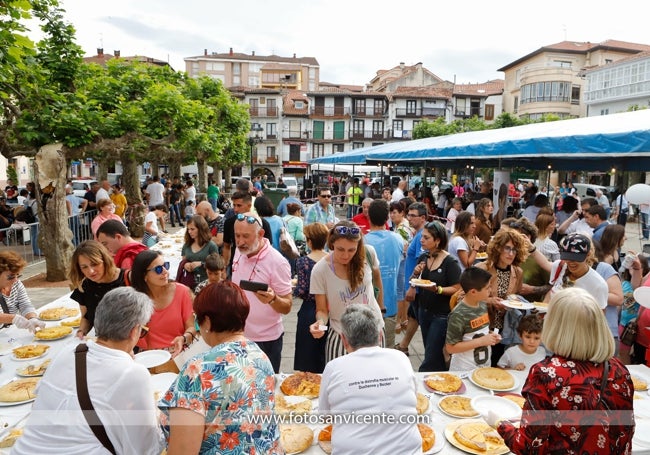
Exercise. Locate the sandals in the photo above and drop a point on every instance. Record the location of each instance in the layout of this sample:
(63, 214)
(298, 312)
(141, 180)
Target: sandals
(399, 348)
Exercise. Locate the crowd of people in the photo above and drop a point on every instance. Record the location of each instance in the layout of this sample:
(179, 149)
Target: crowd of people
(357, 285)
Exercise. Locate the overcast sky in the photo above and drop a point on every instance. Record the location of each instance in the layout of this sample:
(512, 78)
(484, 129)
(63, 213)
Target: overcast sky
(352, 39)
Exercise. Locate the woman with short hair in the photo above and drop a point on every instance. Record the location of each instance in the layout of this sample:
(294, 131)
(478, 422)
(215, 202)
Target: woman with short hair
(207, 407)
(105, 212)
(119, 388)
(16, 305)
(582, 395)
(92, 273)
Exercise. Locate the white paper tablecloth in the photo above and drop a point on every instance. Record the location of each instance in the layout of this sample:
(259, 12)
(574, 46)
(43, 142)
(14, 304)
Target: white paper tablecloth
(170, 246)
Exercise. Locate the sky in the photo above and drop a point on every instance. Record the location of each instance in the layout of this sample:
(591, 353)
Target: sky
(462, 41)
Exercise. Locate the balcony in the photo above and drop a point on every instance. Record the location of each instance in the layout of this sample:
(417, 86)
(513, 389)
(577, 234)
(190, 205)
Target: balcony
(272, 159)
(370, 112)
(295, 134)
(333, 136)
(329, 111)
(468, 113)
(264, 111)
(400, 134)
(420, 112)
(369, 134)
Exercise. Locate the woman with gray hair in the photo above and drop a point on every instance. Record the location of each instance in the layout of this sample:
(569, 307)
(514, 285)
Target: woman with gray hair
(119, 389)
(361, 381)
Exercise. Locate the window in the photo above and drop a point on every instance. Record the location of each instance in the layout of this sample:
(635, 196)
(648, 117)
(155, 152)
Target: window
(516, 104)
(317, 150)
(215, 66)
(360, 106)
(357, 145)
(398, 126)
(411, 107)
(545, 92)
(236, 73)
(319, 129)
(358, 126)
(270, 152)
(339, 130)
(254, 68)
(575, 94)
(253, 81)
(604, 112)
(377, 128)
(379, 107)
(489, 112)
(461, 106)
(271, 131)
(294, 152)
(299, 104)
(338, 148)
(562, 64)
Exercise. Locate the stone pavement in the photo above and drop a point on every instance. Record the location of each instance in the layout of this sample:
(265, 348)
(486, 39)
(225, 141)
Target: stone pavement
(41, 296)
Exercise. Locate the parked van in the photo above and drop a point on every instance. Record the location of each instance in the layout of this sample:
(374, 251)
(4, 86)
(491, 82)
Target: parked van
(588, 190)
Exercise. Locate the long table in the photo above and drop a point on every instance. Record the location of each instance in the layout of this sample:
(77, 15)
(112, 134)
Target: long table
(171, 246)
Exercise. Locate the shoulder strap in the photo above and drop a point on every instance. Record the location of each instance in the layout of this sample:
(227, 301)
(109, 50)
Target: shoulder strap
(603, 383)
(5, 308)
(84, 398)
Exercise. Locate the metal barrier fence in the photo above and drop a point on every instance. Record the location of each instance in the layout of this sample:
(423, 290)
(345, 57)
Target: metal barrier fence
(21, 237)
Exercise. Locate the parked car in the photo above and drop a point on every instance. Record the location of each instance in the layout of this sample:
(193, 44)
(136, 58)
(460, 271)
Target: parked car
(81, 187)
(290, 181)
(589, 190)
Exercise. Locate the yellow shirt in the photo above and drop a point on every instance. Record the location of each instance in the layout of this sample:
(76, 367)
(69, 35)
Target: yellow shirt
(354, 195)
(120, 203)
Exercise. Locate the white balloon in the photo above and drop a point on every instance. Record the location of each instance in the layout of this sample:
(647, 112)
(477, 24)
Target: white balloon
(642, 296)
(638, 194)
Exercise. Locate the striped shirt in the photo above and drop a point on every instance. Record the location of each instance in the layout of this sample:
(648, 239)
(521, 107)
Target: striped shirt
(18, 302)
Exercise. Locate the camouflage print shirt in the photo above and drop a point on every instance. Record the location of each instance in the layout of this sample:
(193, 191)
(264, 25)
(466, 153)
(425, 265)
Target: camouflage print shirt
(466, 323)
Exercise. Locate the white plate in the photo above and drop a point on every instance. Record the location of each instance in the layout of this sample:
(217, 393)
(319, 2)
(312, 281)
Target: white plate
(517, 304)
(6, 348)
(421, 285)
(642, 295)
(641, 432)
(540, 308)
(161, 382)
(27, 359)
(496, 390)
(15, 403)
(503, 407)
(454, 415)
(18, 373)
(153, 358)
(438, 445)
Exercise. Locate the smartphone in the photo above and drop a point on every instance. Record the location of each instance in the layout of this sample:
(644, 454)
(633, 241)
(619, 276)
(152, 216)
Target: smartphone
(253, 286)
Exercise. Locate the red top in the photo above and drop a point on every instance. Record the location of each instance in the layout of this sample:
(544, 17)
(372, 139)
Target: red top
(125, 255)
(168, 323)
(563, 414)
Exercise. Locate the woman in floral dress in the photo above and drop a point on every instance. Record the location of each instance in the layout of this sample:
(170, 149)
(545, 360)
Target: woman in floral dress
(210, 406)
(309, 352)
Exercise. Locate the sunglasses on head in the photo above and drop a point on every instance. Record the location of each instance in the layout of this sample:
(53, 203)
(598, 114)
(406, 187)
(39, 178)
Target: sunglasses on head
(13, 276)
(249, 219)
(159, 268)
(435, 226)
(345, 230)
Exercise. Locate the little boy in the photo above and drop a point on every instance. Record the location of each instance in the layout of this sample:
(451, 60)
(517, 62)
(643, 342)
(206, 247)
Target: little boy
(529, 352)
(468, 328)
(190, 211)
(216, 269)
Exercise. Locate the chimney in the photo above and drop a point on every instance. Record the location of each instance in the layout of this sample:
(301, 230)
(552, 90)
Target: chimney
(100, 52)
(116, 54)
(294, 55)
(231, 51)
(253, 53)
(401, 65)
(205, 51)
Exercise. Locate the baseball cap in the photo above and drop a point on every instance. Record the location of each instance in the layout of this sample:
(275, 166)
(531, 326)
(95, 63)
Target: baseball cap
(575, 247)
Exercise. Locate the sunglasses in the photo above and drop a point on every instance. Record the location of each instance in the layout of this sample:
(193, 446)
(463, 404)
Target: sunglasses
(196, 324)
(143, 331)
(159, 268)
(344, 230)
(13, 276)
(328, 196)
(249, 219)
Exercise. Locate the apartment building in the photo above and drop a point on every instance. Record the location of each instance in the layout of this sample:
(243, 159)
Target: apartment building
(549, 80)
(619, 86)
(260, 71)
(482, 100)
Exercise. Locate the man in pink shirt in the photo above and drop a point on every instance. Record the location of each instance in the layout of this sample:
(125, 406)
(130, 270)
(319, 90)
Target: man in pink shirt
(256, 260)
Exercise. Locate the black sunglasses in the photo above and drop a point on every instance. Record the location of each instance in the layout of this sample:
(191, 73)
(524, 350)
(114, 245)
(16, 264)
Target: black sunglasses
(249, 219)
(326, 195)
(159, 268)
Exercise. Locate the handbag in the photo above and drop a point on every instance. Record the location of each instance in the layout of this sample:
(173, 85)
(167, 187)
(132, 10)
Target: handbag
(185, 277)
(85, 402)
(288, 245)
(629, 332)
(149, 240)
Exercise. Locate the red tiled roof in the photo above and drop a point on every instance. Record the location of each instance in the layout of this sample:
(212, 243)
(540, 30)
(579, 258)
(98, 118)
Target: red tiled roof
(488, 88)
(288, 103)
(264, 58)
(582, 48)
(429, 91)
(103, 58)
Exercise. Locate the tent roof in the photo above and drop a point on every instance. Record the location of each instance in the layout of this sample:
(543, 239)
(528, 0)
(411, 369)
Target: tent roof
(593, 143)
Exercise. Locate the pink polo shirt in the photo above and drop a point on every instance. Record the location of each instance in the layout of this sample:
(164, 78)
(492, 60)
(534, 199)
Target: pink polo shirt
(270, 267)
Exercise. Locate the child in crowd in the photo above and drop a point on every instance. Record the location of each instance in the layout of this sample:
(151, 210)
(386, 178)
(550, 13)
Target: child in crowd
(190, 210)
(468, 328)
(529, 352)
(216, 269)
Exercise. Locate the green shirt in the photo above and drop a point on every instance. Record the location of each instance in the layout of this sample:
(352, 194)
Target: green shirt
(213, 192)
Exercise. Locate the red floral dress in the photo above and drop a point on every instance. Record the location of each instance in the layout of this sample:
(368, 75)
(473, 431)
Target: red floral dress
(562, 414)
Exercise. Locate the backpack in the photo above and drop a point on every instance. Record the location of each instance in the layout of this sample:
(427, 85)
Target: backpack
(26, 215)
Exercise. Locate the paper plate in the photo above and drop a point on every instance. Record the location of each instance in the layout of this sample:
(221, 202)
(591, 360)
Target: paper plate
(162, 381)
(489, 388)
(451, 414)
(503, 407)
(462, 389)
(438, 445)
(517, 304)
(419, 283)
(541, 307)
(449, 434)
(15, 403)
(6, 348)
(642, 295)
(153, 358)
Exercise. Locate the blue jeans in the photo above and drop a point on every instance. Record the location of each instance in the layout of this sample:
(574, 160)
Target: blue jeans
(434, 332)
(174, 209)
(645, 229)
(273, 350)
(33, 236)
(213, 203)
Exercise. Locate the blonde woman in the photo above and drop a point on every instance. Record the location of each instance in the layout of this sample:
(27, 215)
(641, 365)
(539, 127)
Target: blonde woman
(545, 223)
(581, 378)
(92, 273)
(105, 212)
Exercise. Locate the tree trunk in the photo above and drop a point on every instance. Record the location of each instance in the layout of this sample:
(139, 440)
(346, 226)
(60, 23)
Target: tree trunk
(54, 236)
(131, 182)
(201, 175)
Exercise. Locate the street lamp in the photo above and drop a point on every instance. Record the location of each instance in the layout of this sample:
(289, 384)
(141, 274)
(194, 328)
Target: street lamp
(252, 143)
(548, 185)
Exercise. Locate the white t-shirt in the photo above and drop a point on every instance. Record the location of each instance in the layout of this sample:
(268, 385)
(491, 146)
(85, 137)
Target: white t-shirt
(151, 217)
(591, 282)
(101, 194)
(398, 195)
(338, 292)
(457, 244)
(514, 355)
(121, 393)
(190, 194)
(156, 191)
(580, 227)
(369, 381)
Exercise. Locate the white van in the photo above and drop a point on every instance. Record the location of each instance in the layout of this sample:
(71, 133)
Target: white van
(588, 190)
